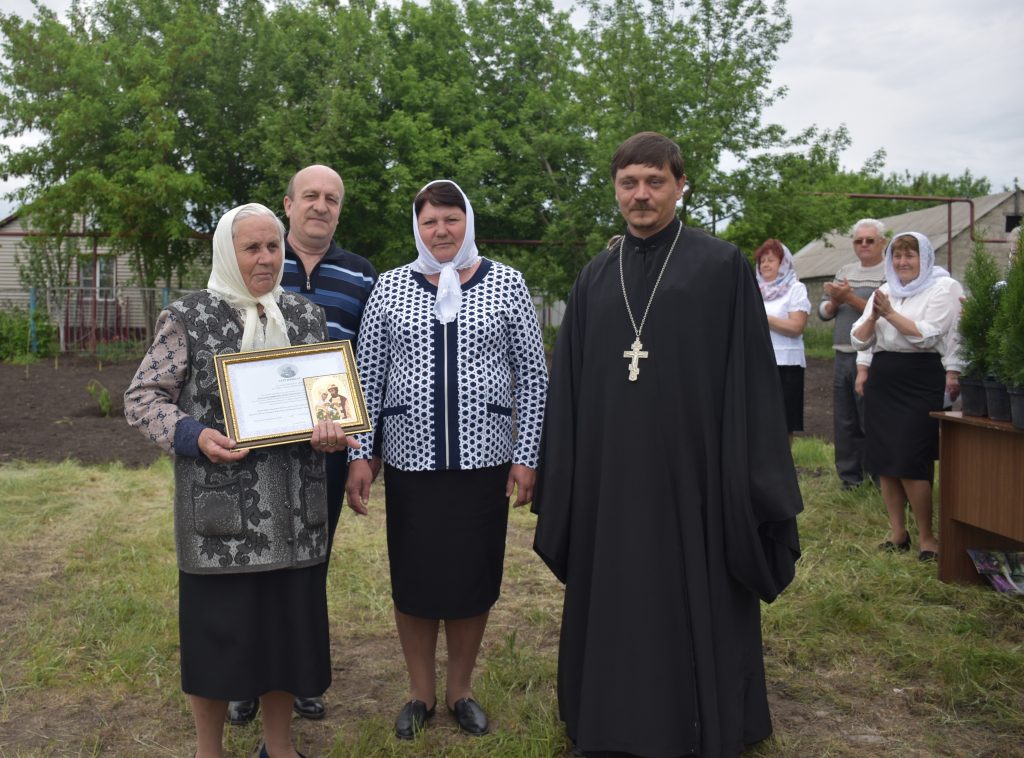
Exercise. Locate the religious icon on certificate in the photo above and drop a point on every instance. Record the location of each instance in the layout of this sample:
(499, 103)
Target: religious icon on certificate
(271, 397)
(328, 398)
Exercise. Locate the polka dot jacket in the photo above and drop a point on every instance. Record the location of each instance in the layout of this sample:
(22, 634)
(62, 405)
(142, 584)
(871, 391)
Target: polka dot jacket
(463, 395)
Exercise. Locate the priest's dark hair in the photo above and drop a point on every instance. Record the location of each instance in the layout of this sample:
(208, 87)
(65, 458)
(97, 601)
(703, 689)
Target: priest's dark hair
(439, 193)
(772, 246)
(649, 149)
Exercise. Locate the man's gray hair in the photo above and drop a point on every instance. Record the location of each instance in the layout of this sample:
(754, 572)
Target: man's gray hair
(879, 226)
(255, 209)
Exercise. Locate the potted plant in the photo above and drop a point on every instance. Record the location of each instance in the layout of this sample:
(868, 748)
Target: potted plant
(1008, 333)
(976, 319)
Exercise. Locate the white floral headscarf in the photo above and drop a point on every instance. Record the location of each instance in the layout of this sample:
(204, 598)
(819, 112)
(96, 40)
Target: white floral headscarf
(226, 280)
(785, 279)
(929, 274)
(449, 290)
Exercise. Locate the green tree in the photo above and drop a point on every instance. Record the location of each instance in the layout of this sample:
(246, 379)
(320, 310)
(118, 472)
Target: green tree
(138, 120)
(149, 130)
(979, 313)
(796, 195)
(1008, 330)
(698, 72)
(45, 263)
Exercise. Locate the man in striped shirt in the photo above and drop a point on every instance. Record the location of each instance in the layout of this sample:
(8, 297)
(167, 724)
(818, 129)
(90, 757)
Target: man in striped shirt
(314, 266)
(843, 300)
(340, 282)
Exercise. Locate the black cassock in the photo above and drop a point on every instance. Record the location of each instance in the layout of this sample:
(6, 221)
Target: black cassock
(667, 505)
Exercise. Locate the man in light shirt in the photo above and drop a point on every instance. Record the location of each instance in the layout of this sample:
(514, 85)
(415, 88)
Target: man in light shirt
(844, 299)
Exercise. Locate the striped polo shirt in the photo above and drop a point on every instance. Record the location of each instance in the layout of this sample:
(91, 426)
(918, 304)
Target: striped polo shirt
(340, 283)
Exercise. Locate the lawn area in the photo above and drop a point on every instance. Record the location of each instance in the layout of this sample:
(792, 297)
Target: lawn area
(868, 654)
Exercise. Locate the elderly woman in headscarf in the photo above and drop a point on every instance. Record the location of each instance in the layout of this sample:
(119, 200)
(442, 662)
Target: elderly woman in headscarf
(908, 336)
(452, 363)
(787, 306)
(250, 525)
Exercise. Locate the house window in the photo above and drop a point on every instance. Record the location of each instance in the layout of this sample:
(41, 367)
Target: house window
(96, 276)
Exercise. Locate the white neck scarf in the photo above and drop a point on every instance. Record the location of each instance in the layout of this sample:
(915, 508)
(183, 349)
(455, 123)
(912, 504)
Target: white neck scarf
(449, 289)
(929, 274)
(226, 281)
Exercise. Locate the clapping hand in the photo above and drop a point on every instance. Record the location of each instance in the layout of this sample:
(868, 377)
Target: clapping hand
(838, 291)
(882, 307)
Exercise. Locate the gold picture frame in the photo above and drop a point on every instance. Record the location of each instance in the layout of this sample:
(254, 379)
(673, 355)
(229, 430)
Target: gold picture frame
(272, 397)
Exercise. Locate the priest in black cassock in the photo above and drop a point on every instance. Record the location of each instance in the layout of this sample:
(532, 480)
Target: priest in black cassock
(667, 496)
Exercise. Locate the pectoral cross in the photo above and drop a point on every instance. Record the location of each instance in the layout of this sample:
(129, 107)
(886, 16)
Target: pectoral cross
(635, 353)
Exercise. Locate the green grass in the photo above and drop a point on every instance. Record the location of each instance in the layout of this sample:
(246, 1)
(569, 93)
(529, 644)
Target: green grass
(866, 653)
(818, 340)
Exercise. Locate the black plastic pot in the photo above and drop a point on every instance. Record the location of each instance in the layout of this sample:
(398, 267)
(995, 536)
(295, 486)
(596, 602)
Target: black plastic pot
(972, 397)
(1016, 406)
(998, 400)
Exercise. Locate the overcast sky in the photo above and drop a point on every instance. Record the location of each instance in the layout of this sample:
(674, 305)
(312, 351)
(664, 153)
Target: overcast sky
(933, 82)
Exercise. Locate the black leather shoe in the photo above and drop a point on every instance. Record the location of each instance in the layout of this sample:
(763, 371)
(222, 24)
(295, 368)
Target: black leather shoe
(241, 712)
(470, 715)
(927, 555)
(413, 716)
(311, 708)
(265, 754)
(896, 547)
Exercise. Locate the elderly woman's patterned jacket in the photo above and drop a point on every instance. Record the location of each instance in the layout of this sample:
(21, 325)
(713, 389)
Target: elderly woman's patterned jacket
(445, 393)
(266, 511)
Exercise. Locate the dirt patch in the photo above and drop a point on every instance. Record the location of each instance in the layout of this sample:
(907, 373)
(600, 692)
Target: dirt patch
(49, 414)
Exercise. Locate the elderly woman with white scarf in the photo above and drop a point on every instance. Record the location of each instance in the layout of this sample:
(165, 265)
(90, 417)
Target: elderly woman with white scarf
(786, 307)
(250, 525)
(452, 363)
(908, 337)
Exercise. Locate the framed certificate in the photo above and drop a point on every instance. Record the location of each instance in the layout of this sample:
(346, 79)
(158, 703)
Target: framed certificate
(271, 397)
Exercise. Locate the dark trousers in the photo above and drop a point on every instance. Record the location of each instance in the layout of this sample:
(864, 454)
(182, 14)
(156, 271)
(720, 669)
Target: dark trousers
(847, 420)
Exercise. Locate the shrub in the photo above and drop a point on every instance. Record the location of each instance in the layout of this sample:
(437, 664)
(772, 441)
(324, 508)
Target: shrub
(979, 313)
(16, 335)
(1008, 330)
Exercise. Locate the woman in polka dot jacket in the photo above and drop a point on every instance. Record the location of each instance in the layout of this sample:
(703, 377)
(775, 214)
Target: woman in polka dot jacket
(452, 363)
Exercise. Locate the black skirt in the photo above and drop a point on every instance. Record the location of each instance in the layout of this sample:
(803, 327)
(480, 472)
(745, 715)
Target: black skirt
(446, 540)
(792, 378)
(901, 439)
(243, 635)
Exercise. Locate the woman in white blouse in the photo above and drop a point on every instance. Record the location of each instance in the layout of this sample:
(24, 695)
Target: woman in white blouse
(907, 336)
(786, 305)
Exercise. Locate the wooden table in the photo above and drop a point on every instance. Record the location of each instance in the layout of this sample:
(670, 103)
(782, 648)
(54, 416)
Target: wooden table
(981, 482)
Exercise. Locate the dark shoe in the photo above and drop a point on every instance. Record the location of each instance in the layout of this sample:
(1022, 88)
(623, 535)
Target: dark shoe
(241, 712)
(927, 555)
(413, 716)
(470, 715)
(311, 708)
(847, 486)
(893, 547)
(265, 754)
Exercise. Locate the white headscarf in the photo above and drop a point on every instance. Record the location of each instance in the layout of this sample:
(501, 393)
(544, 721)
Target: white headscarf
(929, 274)
(226, 281)
(449, 290)
(785, 279)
